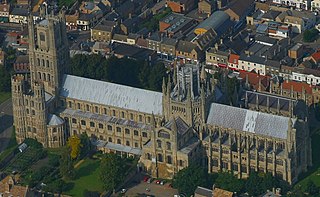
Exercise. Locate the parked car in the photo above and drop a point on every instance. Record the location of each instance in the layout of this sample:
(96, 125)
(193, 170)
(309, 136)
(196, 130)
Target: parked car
(158, 181)
(145, 179)
(123, 191)
(162, 182)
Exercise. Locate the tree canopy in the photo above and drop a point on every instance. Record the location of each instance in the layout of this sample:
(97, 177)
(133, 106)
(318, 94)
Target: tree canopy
(187, 179)
(112, 171)
(310, 35)
(123, 71)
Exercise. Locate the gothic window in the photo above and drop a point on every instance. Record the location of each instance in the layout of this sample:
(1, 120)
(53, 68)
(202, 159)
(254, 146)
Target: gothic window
(83, 122)
(131, 116)
(215, 162)
(70, 104)
(181, 163)
(148, 156)
(78, 105)
(33, 112)
(164, 134)
(110, 139)
(44, 76)
(148, 119)
(100, 126)
(127, 143)
(118, 129)
(113, 112)
(160, 158)
(109, 127)
(136, 144)
(144, 134)
(48, 63)
(159, 143)
(135, 132)
(105, 110)
(118, 141)
(96, 109)
(42, 37)
(101, 137)
(32, 104)
(43, 63)
(39, 75)
(74, 120)
(92, 124)
(122, 114)
(54, 130)
(27, 111)
(48, 77)
(168, 146)
(127, 131)
(38, 61)
(55, 138)
(169, 159)
(87, 107)
(140, 118)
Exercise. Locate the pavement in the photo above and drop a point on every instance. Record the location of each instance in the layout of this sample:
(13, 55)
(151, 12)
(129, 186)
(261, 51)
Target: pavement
(6, 122)
(137, 187)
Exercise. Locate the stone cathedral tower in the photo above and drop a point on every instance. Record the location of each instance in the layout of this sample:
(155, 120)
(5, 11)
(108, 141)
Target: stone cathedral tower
(35, 99)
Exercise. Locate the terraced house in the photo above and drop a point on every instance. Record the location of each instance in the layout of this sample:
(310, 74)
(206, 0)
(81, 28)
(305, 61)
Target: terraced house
(167, 130)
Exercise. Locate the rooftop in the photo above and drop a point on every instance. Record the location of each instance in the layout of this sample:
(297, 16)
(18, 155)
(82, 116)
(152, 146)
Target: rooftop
(111, 94)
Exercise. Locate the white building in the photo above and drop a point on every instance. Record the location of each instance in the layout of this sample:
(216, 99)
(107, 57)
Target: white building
(315, 5)
(300, 4)
(309, 76)
(252, 63)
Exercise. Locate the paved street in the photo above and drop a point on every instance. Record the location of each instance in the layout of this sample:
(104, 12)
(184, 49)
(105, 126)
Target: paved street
(6, 122)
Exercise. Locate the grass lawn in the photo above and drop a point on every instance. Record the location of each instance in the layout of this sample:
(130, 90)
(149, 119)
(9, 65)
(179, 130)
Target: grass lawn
(4, 96)
(87, 177)
(314, 172)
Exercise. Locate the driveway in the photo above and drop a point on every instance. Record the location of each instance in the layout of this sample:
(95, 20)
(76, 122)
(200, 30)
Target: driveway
(6, 122)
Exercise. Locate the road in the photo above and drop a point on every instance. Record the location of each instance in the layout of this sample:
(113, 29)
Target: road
(6, 122)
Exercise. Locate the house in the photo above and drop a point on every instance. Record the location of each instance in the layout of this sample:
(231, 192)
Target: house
(103, 31)
(219, 22)
(130, 25)
(233, 62)
(133, 38)
(119, 38)
(300, 4)
(299, 20)
(252, 63)
(272, 67)
(154, 41)
(9, 187)
(207, 7)
(19, 15)
(188, 51)
(168, 48)
(216, 57)
(205, 40)
(296, 51)
(315, 58)
(21, 65)
(214, 192)
(315, 5)
(181, 6)
(307, 75)
(71, 20)
(85, 21)
(4, 12)
(238, 10)
(176, 23)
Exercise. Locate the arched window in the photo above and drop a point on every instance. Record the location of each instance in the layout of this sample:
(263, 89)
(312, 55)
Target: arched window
(160, 158)
(74, 120)
(70, 104)
(169, 159)
(39, 75)
(159, 143)
(48, 77)
(100, 126)
(55, 138)
(54, 130)
(27, 111)
(38, 61)
(43, 63)
(110, 139)
(101, 137)
(148, 156)
(78, 105)
(118, 141)
(87, 107)
(127, 143)
(44, 76)
(168, 146)
(48, 63)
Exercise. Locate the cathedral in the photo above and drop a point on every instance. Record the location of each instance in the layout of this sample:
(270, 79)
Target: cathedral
(183, 125)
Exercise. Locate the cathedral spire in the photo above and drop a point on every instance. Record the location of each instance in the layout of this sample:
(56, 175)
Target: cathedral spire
(153, 121)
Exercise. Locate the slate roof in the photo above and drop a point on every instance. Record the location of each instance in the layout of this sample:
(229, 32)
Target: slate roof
(203, 192)
(181, 125)
(186, 46)
(219, 21)
(19, 12)
(249, 121)
(111, 94)
(54, 120)
(252, 58)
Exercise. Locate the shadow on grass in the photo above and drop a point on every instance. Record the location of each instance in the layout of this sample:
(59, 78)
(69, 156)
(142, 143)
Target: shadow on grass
(68, 186)
(315, 139)
(87, 170)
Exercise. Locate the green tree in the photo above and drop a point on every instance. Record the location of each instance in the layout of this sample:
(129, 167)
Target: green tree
(187, 179)
(66, 166)
(254, 184)
(311, 188)
(228, 181)
(86, 145)
(310, 35)
(112, 171)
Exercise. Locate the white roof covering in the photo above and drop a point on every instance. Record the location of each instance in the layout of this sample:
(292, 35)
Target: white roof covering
(111, 94)
(54, 120)
(249, 121)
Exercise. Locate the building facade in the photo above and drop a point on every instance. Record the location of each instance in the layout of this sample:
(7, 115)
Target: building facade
(168, 131)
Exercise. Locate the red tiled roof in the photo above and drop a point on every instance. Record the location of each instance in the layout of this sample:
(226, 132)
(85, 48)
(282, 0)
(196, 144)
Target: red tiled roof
(316, 56)
(233, 58)
(297, 86)
(253, 79)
